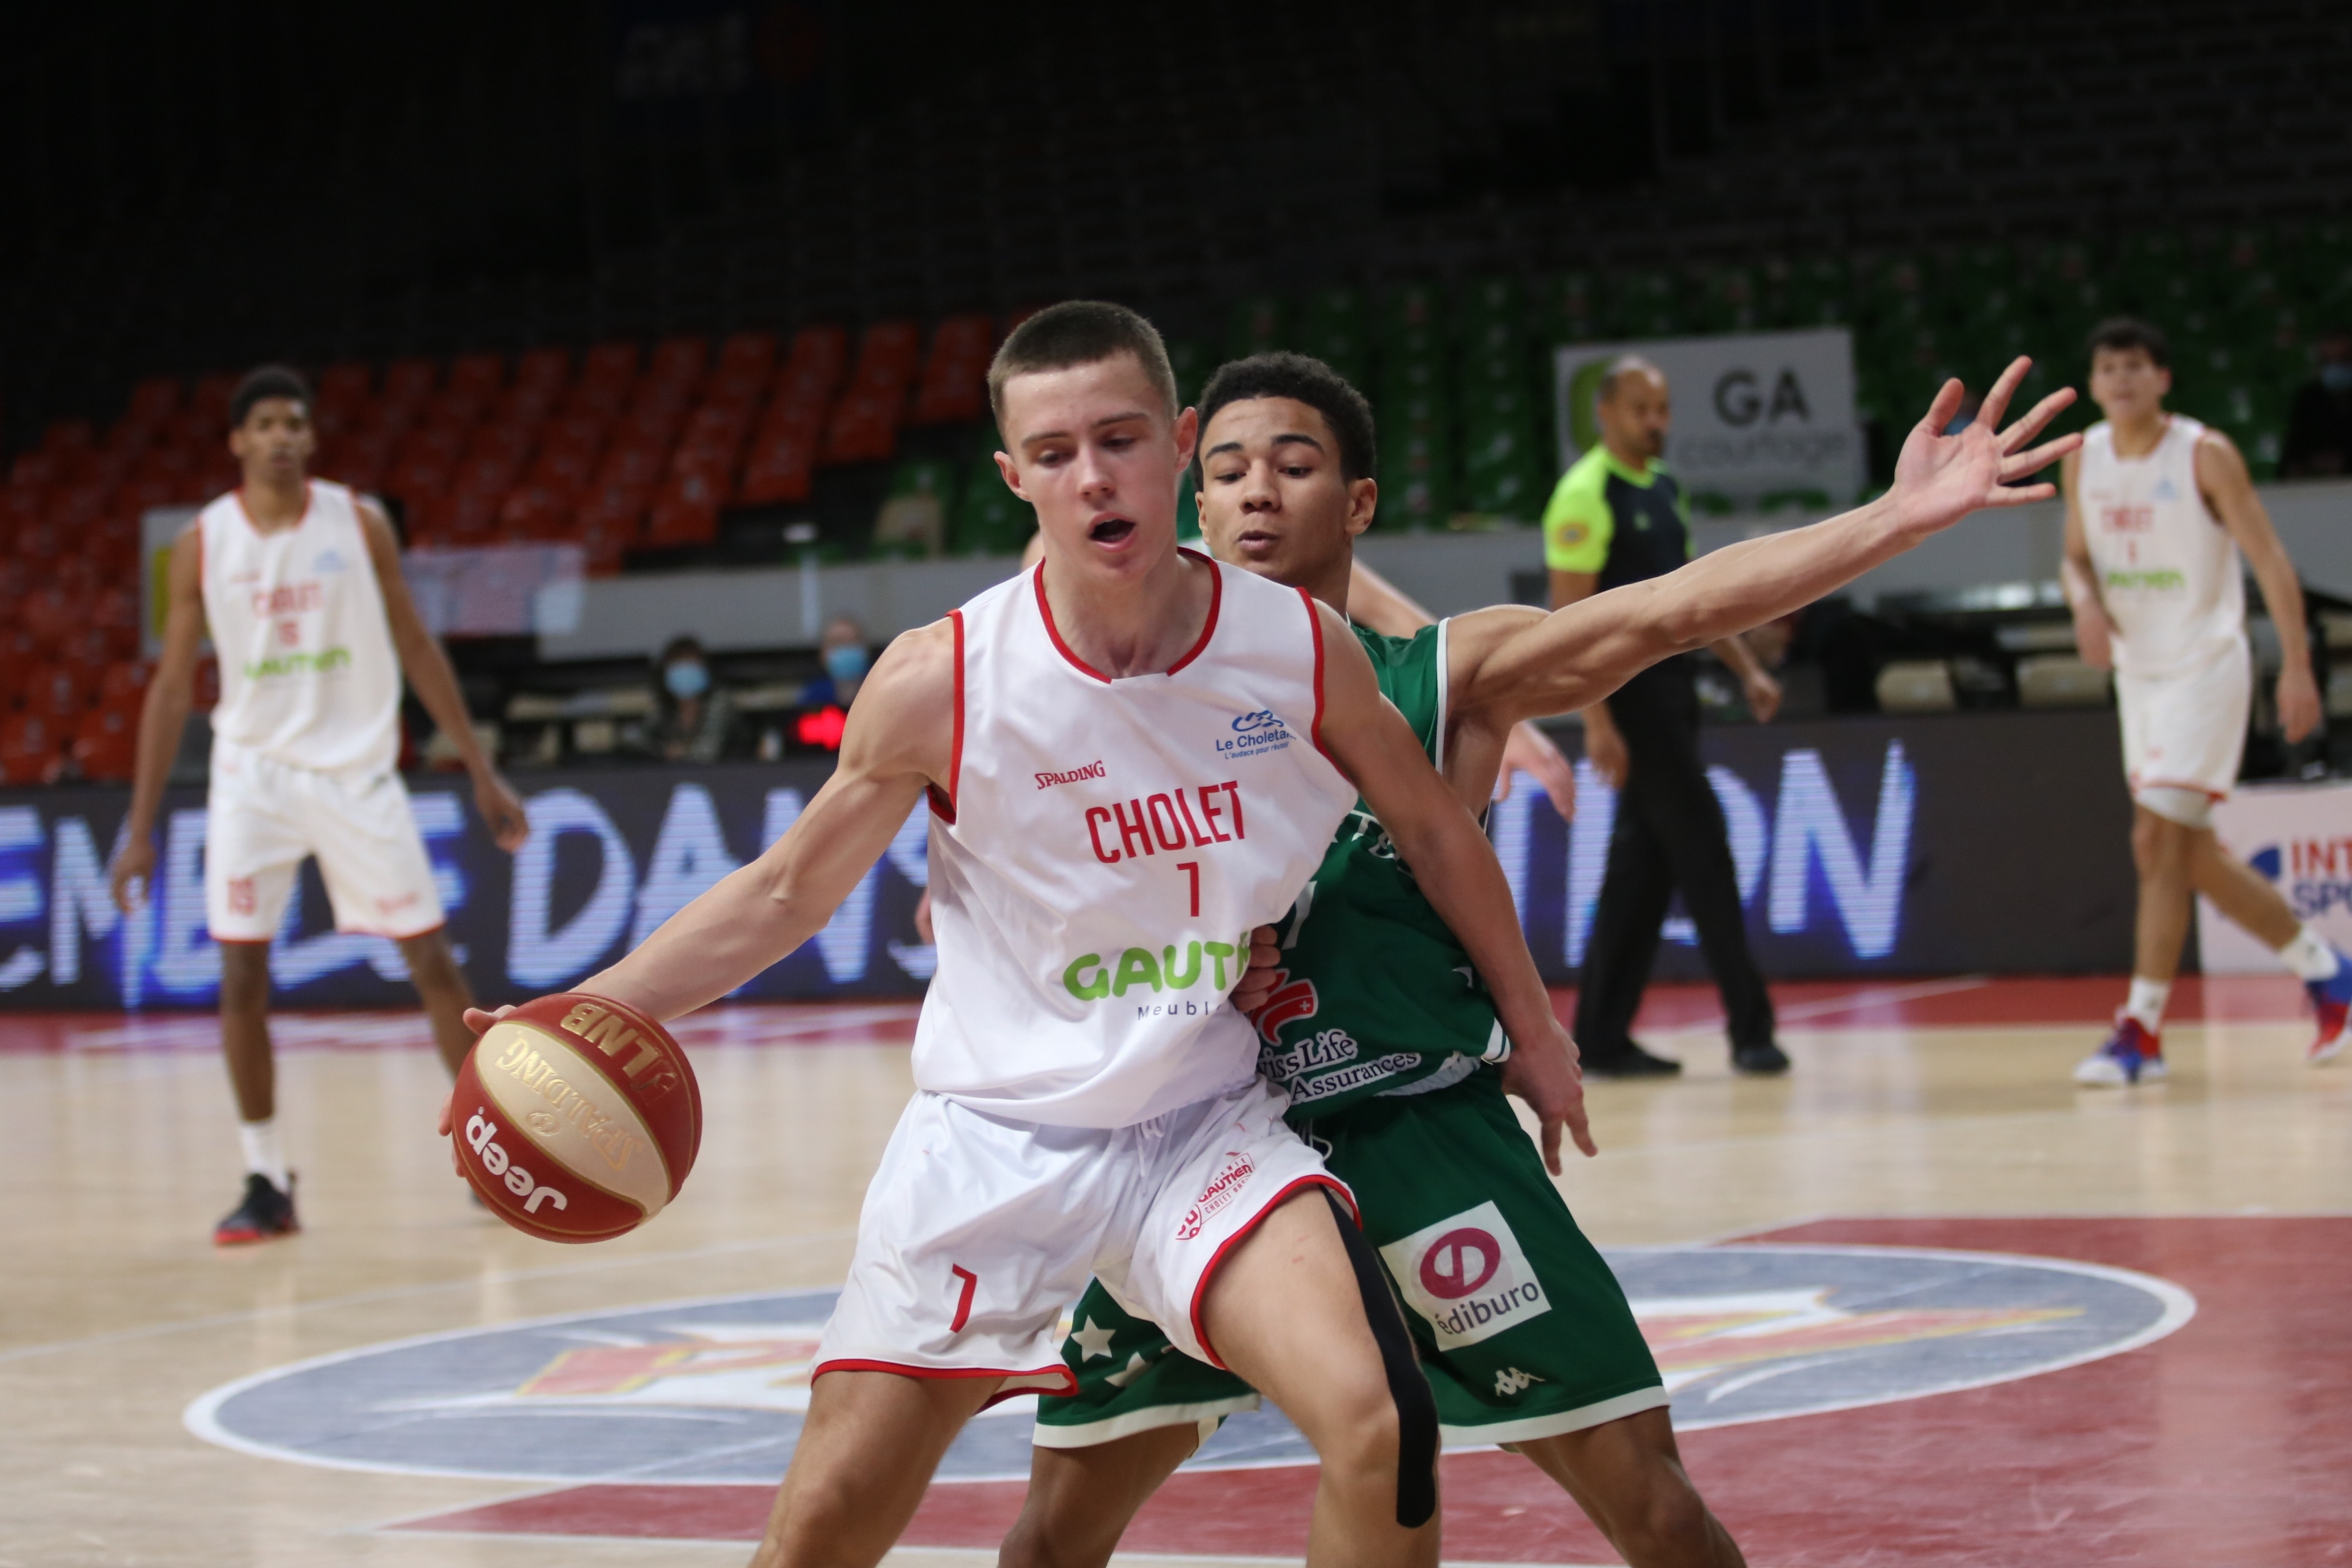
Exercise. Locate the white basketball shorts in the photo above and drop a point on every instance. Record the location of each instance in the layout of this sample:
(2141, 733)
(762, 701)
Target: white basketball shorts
(979, 1232)
(2188, 730)
(262, 817)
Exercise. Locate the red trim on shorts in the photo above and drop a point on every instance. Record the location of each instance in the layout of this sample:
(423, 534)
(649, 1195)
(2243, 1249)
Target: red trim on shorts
(1069, 1382)
(1216, 602)
(2138, 784)
(1200, 644)
(1201, 1291)
(947, 812)
(1315, 625)
(241, 941)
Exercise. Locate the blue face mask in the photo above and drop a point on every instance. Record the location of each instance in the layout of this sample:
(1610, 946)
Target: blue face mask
(686, 680)
(2336, 377)
(845, 663)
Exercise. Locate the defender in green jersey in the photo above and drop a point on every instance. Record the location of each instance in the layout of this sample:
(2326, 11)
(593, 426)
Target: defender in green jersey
(1376, 1021)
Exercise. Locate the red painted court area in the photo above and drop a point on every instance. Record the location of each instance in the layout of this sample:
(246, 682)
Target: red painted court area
(1952, 1002)
(2225, 1443)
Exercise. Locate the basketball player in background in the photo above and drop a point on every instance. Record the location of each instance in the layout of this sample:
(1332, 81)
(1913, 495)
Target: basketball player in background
(298, 582)
(2159, 507)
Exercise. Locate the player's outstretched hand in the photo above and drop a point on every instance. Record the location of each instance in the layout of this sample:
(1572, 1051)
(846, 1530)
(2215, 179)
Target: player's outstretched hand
(1259, 975)
(503, 809)
(1940, 478)
(1543, 1073)
(1530, 750)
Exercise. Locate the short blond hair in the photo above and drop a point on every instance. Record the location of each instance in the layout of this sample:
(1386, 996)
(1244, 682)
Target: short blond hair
(1076, 332)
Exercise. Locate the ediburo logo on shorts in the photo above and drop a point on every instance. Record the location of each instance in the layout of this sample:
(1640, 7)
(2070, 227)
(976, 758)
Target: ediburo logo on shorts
(1467, 1277)
(1222, 1188)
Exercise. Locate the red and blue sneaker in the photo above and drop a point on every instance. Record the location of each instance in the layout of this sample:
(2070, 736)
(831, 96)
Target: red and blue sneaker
(2332, 999)
(2132, 1054)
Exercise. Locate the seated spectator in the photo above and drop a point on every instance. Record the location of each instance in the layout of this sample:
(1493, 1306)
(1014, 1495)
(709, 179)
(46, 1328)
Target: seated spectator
(692, 715)
(843, 650)
(2319, 424)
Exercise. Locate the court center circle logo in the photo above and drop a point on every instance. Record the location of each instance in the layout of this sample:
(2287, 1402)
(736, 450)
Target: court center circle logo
(713, 1391)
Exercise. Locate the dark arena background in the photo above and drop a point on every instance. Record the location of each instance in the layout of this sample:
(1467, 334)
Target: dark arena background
(660, 330)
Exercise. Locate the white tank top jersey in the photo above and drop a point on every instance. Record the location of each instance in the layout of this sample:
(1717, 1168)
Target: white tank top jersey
(2168, 573)
(1105, 848)
(308, 673)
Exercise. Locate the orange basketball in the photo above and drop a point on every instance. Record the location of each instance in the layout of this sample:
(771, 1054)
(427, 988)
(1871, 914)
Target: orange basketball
(576, 1118)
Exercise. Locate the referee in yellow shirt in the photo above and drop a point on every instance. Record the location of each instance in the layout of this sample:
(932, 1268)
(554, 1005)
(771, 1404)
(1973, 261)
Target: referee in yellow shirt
(1618, 516)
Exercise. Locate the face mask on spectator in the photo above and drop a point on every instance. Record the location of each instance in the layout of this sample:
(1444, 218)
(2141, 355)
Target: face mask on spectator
(687, 680)
(845, 663)
(2336, 377)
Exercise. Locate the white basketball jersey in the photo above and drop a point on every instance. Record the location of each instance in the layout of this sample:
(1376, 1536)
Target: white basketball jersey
(2168, 573)
(1106, 849)
(307, 672)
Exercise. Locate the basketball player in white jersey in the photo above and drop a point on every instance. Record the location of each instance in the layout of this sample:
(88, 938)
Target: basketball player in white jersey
(2159, 507)
(298, 582)
(1134, 757)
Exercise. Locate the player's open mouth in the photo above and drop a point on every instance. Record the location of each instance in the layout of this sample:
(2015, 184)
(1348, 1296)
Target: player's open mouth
(1111, 531)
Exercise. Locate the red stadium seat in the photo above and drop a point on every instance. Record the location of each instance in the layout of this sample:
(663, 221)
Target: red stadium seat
(154, 400)
(954, 384)
(635, 464)
(124, 684)
(747, 365)
(30, 751)
(813, 373)
(35, 470)
(510, 443)
(106, 745)
(526, 408)
(563, 469)
(350, 383)
(208, 401)
(65, 437)
(678, 362)
(782, 456)
(544, 370)
(686, 509)
(53, 613)
(652, 423)
(865, 426)
(610, 365)
(409, 382)
(59, 691)
(484, 373)
(537, 511)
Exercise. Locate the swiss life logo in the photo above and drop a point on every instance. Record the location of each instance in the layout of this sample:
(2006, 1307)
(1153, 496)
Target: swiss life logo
(1467, 1276)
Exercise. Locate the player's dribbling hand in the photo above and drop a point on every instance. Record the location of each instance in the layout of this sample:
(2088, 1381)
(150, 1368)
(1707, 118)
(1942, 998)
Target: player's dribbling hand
(1763, 694)
(477, 1020)
(133, 874)
(2092, 637)
(1543, 1073)
(1258, 975)
(1604, 748)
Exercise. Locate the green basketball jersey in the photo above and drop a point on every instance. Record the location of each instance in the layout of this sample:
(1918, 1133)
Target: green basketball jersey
(1376, 994)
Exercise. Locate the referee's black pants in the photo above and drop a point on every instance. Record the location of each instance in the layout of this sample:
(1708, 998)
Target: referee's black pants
(1669, 836)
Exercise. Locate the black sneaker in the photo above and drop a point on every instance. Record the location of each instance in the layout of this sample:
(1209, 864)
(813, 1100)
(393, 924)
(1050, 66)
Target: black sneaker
(1630, 1062)
(1767, 1060)
(265, 1211)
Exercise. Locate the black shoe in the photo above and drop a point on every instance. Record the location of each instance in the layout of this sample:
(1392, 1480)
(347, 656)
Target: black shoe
(1766, 1060)
(1632, 1061)
(265, 1211)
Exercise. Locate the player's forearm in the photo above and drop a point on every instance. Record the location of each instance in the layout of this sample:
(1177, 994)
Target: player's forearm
(1737, 656)
(162, 720)
(734, 931)
(1457, 872)
(1590, 648)
(2282, 595)
(434, 681)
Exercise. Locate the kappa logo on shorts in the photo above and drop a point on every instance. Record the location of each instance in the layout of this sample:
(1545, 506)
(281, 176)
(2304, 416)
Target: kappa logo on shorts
(1467, 1276)
(1222, 1188)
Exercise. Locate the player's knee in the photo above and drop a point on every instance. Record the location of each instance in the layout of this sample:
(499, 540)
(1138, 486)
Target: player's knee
(1667, 1523)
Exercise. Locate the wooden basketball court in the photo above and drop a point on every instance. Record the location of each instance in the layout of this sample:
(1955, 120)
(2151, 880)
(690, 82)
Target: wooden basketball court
(1923, 1301)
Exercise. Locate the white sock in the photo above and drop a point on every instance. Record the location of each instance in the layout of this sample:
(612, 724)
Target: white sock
(2146, 1003)
(2309, 955)
(262, 1156)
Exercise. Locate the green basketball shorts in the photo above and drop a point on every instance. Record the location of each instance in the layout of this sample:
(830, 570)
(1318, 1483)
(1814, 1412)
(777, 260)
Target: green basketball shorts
(1521, 1328)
